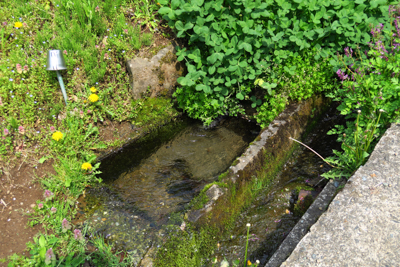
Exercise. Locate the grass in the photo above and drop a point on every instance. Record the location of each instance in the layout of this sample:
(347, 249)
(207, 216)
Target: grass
(96, 38)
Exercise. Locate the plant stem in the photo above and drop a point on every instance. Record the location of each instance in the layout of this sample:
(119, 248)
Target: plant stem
(312, 151)
(247, 243)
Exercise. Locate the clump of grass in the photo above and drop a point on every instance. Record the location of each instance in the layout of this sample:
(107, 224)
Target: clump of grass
(96, 38)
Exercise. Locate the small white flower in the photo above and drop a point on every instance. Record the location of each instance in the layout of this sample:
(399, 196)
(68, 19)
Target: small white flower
(224, 263)
(248, 225)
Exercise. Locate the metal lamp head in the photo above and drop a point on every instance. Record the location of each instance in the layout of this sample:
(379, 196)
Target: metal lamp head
(55, 60)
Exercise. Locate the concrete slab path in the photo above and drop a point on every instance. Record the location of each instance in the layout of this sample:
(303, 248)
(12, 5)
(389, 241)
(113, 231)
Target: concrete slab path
(361, 227)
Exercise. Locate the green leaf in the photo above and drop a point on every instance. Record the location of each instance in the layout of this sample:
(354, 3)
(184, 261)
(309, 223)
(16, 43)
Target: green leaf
(277, 37)
(200, 87)
(240, 96)
(164, 10)
(211, 69)
(42, 241)
(245, 46)
(68, 182)
(188, 26)
(43, 159)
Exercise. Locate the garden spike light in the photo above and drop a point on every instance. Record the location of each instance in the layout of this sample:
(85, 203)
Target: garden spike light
(55, 61)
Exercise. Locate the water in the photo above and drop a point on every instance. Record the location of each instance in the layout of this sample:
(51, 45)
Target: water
(152, 180)
(271, 214)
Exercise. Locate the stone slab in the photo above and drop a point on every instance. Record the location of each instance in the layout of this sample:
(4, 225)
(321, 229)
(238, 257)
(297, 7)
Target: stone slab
(362, 224)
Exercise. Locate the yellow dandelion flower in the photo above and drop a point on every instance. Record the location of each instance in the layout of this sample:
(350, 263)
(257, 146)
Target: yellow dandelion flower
(248, 262)
(57, 136)
(86, 166)
(93, 98)
(93, 90)
(18, 24)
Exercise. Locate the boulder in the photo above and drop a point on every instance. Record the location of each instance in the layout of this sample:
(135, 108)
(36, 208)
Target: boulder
(155, 76)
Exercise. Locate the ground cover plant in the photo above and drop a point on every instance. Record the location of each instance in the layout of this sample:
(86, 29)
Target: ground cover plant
(232, 43)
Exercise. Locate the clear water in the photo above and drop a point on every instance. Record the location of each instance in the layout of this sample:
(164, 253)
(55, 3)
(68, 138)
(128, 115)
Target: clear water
(151, 180)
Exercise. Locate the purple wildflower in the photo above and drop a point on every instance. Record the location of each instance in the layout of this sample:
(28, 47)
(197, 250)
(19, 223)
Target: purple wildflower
(78, 234)
(53, 210)
(21, 129)
(342, 75)
(40, 206)
(65, 225)
(6, 132)
(50, 256)
(48, 195)
(348, 52)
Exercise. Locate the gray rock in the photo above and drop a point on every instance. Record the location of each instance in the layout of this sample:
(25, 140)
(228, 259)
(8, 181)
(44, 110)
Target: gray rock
(213, 193)
(155, 76)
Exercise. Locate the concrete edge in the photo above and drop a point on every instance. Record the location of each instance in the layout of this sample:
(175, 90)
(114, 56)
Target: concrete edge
(317, 208)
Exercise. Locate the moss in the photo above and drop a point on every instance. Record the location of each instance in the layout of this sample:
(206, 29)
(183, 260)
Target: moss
(302, 205)
(186, 248)
(154, 111)
(223, 175)
(201, 199)
(303, 187)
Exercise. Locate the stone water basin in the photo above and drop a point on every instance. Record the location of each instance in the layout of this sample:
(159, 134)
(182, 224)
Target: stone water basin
(148, 183)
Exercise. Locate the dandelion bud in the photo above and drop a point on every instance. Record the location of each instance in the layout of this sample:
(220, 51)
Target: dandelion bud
(344, 135)
(359, 111)
(381, 110)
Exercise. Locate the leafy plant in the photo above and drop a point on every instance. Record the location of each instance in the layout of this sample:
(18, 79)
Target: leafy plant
(233, 42)
(370, 86)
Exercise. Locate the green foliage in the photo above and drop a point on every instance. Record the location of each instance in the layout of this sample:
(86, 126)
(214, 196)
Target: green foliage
(185, 248)
(233, 42)
(370, 86)
(270, 109)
